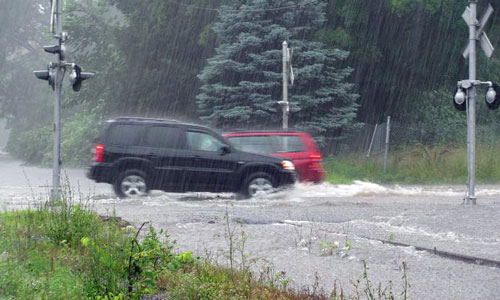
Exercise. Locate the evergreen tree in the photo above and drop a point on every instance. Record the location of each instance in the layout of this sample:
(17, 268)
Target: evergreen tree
(243, 82)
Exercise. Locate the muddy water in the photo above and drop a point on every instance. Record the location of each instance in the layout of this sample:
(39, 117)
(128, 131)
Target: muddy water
(316, 233)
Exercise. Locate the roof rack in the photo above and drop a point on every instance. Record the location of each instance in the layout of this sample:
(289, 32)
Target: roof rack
(290, 130)
(143, 119)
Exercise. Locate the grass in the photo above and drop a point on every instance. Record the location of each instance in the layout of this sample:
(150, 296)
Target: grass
(419, 165)
(66, 251)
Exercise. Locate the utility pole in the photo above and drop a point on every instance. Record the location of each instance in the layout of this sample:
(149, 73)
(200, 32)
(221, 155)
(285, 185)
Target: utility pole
(287, 75)
(284, 105)
(54, 74)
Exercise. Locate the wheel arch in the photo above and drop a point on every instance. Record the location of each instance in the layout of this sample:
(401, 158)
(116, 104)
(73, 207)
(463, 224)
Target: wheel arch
(249, 169)
(124, 164)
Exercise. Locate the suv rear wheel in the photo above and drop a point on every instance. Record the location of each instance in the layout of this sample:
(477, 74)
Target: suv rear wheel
(131, 183)
(257, 184)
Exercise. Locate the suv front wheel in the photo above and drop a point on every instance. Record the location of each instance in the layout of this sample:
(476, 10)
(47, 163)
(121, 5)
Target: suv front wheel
(131, 183)
(257, 184)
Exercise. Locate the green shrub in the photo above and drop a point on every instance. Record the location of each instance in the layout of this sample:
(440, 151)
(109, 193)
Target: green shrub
(35, 145)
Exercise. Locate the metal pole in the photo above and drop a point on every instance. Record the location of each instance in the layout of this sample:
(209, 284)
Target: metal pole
(471, 116)
(371, 142)
(285, 85)
(59, 73)
(387, 132)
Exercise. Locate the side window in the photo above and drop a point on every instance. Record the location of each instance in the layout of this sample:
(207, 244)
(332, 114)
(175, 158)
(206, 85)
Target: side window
(200, 141)
(123, 134)
(163, 137)
(290, 143)
(261, 144)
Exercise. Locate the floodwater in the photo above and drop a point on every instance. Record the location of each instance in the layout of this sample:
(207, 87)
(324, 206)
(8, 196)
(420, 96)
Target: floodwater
(314, 235)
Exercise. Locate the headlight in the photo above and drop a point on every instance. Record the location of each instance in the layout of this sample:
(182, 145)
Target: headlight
(287, 165)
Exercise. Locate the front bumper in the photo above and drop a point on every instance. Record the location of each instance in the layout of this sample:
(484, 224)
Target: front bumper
(287, 178)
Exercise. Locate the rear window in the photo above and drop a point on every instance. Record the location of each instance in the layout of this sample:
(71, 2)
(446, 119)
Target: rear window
(123, 134)
(266, 144)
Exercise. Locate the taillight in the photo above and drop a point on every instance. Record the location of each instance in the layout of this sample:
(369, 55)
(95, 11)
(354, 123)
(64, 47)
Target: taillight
(315, 156)
(99, 153)
(315, 160)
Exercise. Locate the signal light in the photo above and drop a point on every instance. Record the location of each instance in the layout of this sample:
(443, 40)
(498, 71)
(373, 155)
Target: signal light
(492, 97)
(77, 76)
(459, 99)
(45, 75)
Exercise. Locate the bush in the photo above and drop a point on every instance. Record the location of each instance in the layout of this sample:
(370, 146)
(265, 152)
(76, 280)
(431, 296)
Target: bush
(36, 145)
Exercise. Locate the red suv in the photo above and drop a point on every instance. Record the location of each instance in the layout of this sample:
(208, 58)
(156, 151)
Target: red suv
(294, 145)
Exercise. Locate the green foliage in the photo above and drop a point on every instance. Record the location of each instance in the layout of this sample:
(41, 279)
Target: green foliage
(420, 164)
(78, 134)
(65, 252)
(327, 247)
(242, 82)
(345, 169)
(405, 57)
(164, 45)
(439, 121)
(405, 6)
(400, 51)
(30, 145)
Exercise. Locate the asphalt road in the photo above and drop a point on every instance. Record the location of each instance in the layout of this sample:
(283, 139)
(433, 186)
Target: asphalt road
(315, 235)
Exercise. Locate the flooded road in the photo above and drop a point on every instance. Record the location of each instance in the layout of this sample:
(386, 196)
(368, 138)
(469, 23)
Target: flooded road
(314, 234)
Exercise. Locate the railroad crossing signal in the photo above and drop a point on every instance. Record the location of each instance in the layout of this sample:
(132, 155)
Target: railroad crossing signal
(54, 74)
(465, 94)
(484, 41)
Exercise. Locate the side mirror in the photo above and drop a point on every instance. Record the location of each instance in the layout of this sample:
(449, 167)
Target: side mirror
(225, 149)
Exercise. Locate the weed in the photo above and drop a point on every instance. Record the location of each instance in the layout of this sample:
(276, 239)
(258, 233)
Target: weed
(346, 228)
(328, 247)
(391, 237)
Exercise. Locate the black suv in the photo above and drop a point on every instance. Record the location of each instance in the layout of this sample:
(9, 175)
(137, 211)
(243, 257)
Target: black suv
(136, 155)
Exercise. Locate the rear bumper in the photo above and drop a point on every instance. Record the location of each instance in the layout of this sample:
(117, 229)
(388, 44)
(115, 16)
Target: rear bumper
(100, 173)
(313, 175)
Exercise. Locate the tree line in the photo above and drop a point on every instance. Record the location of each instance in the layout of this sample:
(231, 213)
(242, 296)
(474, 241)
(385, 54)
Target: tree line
(219, 63)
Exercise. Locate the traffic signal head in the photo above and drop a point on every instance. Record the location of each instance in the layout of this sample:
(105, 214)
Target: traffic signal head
(492, 97)
(46, 75)
(459, 99)
(77, 76)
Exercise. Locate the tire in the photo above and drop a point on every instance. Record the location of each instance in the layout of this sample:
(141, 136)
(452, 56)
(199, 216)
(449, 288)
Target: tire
(131, 183)
(257, 184)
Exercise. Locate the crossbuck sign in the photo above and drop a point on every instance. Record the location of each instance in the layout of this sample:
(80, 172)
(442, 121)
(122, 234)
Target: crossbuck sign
(484, 41)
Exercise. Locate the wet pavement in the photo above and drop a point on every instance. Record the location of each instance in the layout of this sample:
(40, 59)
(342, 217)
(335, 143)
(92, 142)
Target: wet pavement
(315, 233)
